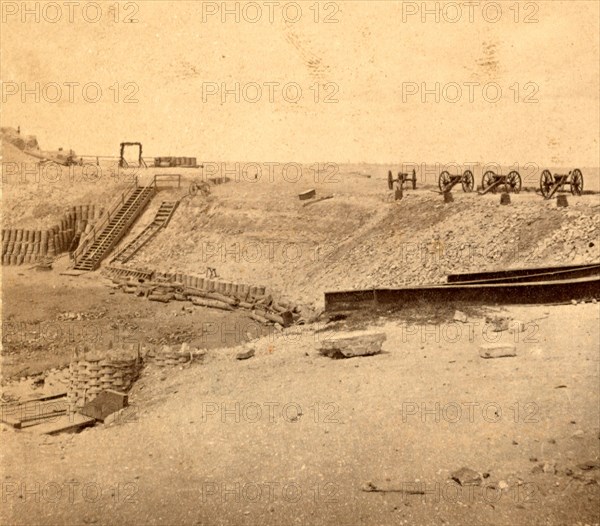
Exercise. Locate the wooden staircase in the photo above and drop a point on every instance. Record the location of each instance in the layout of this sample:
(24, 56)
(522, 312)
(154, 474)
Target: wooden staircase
(162, 218)
(112, 227)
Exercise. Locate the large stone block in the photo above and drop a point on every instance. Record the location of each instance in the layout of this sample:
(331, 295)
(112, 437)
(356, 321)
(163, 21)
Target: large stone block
(364, 344)
(497, 350)
(106, 403)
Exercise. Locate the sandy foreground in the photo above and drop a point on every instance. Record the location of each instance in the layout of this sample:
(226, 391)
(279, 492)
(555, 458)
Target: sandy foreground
(293, 437)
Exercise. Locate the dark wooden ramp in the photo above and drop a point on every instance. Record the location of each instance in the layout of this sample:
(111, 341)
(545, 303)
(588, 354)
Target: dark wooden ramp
(537, 292)
(527, 274)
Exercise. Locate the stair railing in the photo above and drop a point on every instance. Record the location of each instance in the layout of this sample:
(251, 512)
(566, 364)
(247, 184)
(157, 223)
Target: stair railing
(103, 220)
(132, 206)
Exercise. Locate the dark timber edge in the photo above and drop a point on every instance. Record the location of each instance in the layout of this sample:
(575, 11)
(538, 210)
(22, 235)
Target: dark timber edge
(561, 291)
(551, 273)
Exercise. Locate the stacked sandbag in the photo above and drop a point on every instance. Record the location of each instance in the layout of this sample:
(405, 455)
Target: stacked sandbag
(92, 372)
(20, 246)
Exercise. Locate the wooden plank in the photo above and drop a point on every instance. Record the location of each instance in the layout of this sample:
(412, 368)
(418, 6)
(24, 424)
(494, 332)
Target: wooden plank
(19, 415)
(41, 419)
(72, 273)
(318, 200)
(38, 399)
(64, 424)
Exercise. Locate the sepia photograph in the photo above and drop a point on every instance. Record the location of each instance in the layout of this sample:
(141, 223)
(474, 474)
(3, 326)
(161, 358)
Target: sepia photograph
(300, 263)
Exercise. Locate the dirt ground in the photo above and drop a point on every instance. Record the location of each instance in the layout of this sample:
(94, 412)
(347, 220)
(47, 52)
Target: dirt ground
(293, 437)
(47, 316)
(290, 436)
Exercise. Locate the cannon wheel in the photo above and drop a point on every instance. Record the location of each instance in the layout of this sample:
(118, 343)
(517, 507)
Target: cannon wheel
(488, 179)
(444, 180)
(514, 181)
(468, 181)
(390, 180)
(577, 182)
(546, 182)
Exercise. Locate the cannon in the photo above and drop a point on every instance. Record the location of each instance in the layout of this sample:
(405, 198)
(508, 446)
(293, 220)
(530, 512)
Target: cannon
(446, 181)
(550, 184)
(491, 181)
(401, 179)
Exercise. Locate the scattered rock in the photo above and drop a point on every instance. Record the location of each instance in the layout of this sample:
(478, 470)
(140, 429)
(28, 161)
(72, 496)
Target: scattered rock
(460, 316)
(498, 324)
(308, 194)
(589, 465)
(497, 350)
(245, 355)
(467, 477)
(578, 434)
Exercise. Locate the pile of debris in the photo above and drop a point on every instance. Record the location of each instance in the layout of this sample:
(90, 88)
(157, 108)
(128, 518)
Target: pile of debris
(264, 308)
(168, 356)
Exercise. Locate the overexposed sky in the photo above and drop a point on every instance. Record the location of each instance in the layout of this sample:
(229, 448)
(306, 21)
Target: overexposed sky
(372, 66)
